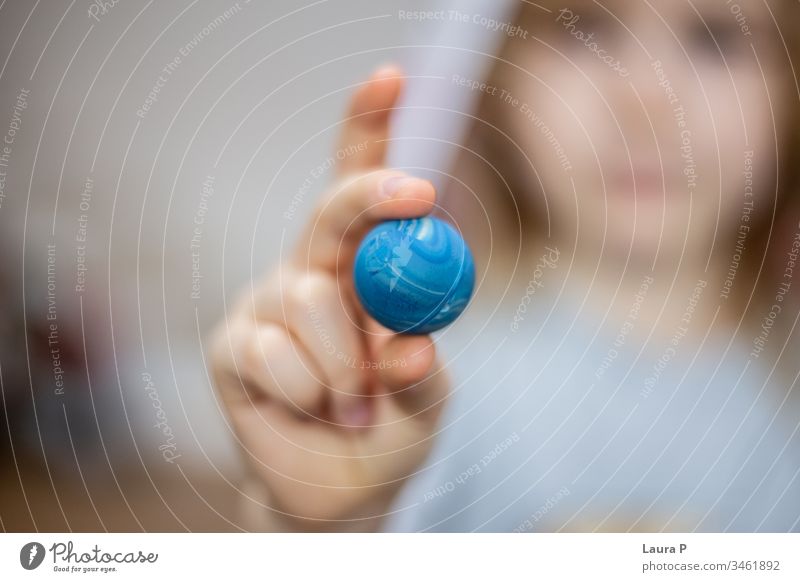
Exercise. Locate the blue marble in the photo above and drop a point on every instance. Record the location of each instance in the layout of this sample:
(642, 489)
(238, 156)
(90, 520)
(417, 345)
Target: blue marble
(414, 276)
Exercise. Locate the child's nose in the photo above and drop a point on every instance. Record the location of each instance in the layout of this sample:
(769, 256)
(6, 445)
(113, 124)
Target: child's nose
(646, 102)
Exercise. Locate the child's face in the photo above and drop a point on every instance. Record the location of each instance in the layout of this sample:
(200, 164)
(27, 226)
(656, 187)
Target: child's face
(655, 121)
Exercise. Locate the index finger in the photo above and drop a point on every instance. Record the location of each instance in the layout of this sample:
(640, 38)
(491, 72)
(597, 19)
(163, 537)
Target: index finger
(362, 142)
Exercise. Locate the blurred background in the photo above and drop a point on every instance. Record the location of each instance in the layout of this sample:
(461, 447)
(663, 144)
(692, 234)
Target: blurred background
(154, 159)
(155, 149)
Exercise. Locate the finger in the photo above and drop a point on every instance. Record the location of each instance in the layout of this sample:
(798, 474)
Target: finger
(366, 128)
(270, 363)
(352, 207)
(318, 471)
(327, 326)
(413, 375)
(413, 386)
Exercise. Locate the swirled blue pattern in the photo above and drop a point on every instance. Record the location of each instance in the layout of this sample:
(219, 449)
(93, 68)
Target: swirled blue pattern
(414, 276)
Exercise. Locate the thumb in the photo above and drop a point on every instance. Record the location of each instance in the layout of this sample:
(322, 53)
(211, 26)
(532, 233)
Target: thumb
(413, 374)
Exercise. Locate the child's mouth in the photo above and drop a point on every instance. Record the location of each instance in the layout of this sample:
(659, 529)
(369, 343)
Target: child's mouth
(643, 183)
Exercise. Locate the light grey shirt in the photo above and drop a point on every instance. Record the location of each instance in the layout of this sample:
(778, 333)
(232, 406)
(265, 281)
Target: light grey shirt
(547, 429)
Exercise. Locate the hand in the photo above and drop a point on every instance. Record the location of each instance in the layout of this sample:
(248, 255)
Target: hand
(332, 411)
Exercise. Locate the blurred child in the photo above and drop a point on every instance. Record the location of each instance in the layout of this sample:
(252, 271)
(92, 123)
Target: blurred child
(623, 172)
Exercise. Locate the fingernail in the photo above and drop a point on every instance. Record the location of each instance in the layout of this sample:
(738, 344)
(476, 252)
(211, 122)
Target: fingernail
(391, 186)
(356, 414)
(384, 69)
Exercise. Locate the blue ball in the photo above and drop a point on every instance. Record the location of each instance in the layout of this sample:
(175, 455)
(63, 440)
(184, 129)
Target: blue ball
(414, 276)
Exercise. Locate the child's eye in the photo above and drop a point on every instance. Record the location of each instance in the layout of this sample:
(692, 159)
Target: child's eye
(594, 22)
(715, 39)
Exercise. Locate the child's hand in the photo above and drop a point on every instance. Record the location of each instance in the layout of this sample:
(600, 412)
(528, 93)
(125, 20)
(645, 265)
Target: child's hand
(332, 410)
